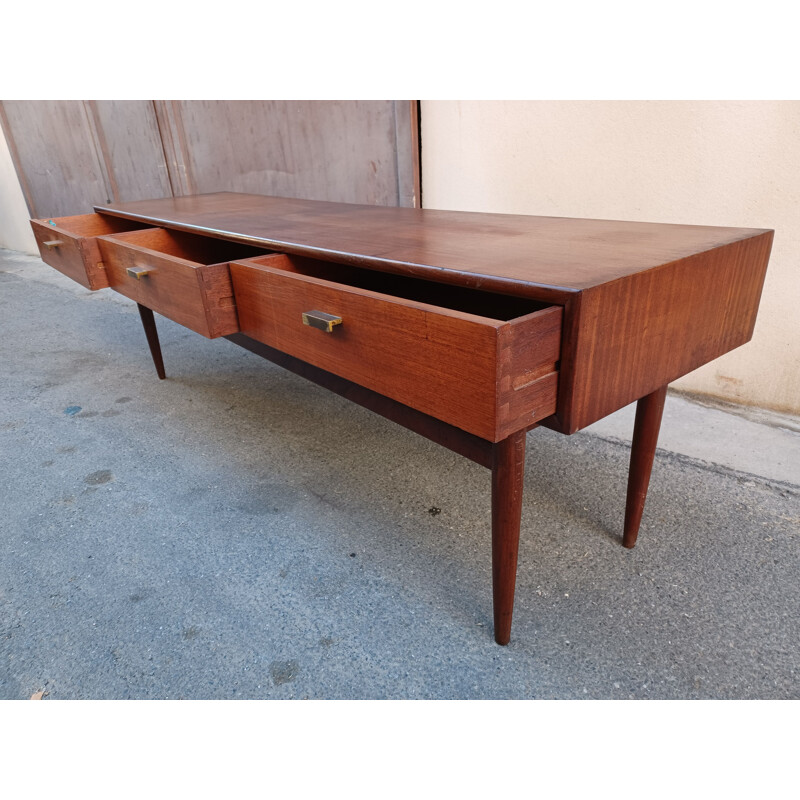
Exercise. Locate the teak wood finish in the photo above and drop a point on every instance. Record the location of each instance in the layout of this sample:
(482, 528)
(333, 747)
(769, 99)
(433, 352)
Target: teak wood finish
(151, 333)
(467, 328)
(176, 275)
(70, 245)
(643, 449)
(464, 369)
(644, 303)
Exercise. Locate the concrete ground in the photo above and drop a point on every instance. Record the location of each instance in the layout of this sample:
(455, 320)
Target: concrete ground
(236, 532)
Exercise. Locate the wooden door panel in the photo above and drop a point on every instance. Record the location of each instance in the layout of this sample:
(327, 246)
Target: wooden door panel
(349, 151)
(55, 155)
(131, 144)
(73, 154)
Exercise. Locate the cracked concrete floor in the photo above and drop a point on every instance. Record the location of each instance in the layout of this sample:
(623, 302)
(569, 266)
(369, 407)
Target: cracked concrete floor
(236, 532)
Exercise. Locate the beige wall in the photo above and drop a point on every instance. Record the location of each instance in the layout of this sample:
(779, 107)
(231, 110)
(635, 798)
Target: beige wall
(15, 229)
(698, 162)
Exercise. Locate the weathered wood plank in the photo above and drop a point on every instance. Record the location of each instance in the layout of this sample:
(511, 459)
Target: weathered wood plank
(324, 150)
(54, 149)
(130, 144)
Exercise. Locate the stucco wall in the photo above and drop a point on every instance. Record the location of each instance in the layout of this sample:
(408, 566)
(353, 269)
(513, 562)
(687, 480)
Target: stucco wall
(696, 162)
(15, 229)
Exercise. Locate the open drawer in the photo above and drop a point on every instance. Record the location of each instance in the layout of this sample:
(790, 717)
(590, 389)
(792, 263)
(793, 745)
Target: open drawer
(70, 245)
(180, 275)
(484, 362)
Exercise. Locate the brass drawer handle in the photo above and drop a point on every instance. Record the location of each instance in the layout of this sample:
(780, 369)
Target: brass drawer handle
(52, 244)
(321, 320)
(139, 272)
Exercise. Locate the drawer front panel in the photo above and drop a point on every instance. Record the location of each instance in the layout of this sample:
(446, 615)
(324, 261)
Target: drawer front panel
(76, 257)
(438, 361)
(198, 296)
(70, 245)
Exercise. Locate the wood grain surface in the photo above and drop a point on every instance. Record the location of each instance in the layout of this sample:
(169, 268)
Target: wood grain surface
(77, 255)
(518, 254)
(446, 362)
(359, 151)
(181, 285)
(643, 303)
(635, 335)
(69, 154)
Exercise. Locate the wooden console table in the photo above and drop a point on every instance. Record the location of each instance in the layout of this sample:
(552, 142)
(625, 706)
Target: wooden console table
(470, 329)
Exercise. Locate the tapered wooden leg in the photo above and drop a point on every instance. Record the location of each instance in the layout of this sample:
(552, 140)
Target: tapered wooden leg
(149, 325)
(643, 449)
(508, 469)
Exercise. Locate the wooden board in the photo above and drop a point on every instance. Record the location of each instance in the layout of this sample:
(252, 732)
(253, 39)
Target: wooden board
(129, 141)
(54, 152)
(352, 151)
(543, 257)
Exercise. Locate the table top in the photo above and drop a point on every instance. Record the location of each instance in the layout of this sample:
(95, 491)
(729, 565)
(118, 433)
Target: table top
(560, 255)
